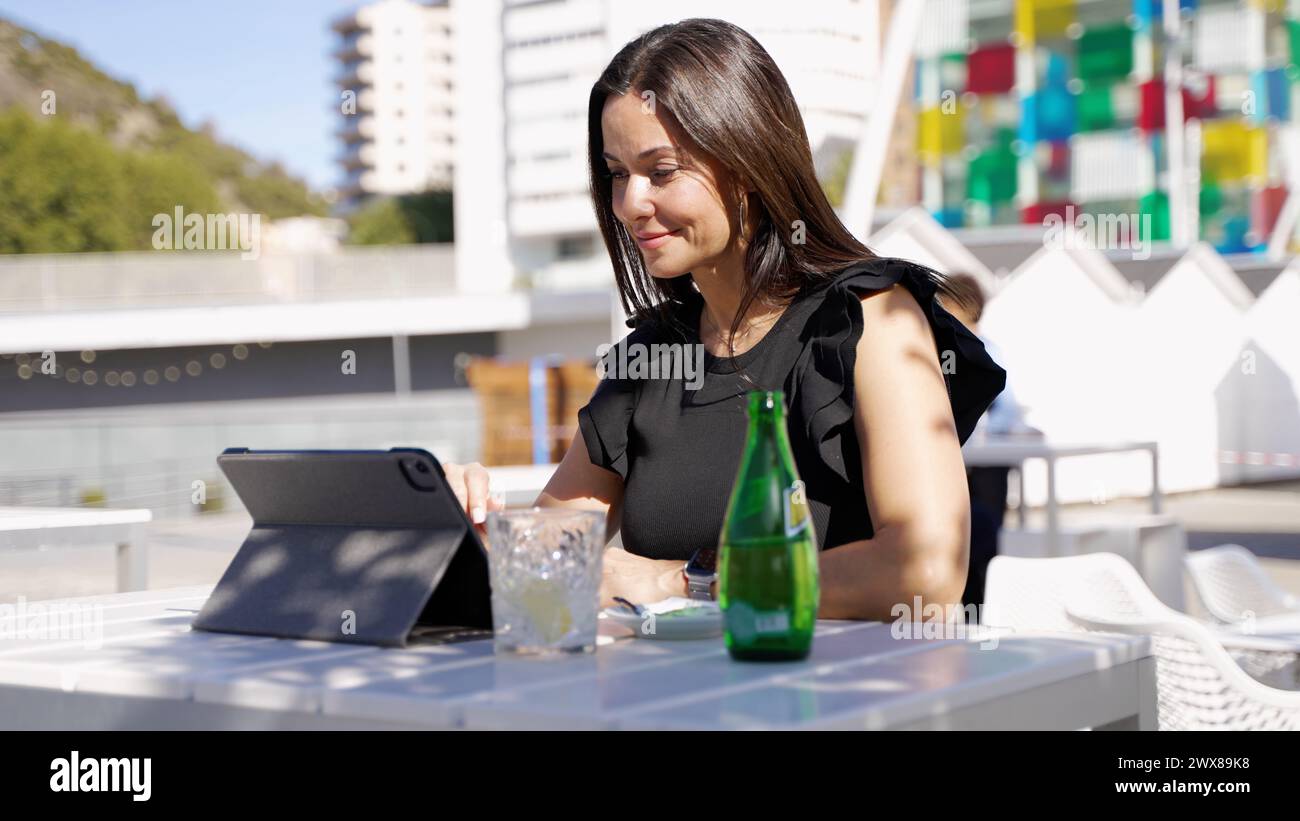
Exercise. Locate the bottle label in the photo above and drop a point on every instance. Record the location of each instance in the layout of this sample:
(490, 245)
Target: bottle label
(747, 624)
(795, 509)
(777, 621)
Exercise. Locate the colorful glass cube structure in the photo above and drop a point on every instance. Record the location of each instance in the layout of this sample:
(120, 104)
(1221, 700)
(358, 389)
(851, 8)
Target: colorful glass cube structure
(1034, 80)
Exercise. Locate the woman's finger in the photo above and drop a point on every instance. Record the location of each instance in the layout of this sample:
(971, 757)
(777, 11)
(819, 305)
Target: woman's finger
(476, 482)
(455, 475)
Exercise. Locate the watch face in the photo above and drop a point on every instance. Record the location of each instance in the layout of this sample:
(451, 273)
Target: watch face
(705, 560)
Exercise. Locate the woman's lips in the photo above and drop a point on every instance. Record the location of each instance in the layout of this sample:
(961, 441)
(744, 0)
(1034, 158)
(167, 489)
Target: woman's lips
(655, 240)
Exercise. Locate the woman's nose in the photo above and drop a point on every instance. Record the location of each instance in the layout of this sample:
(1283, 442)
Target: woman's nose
(637, 202)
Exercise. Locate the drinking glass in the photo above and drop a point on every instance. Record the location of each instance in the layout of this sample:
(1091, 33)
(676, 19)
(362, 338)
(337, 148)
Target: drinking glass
(545, 566)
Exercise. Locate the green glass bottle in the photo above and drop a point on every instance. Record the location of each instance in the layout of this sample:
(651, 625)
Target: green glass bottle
(767, 564)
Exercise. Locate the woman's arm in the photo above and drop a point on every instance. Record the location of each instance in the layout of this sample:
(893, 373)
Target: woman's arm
(577, 483)
(580, 485)
(912, 469)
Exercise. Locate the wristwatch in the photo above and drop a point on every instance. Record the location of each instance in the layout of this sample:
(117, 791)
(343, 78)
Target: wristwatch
(701, 572)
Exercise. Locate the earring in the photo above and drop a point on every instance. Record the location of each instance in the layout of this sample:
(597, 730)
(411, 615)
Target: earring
(742, 216)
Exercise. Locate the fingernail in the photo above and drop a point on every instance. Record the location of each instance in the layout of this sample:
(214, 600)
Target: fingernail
(479, 515)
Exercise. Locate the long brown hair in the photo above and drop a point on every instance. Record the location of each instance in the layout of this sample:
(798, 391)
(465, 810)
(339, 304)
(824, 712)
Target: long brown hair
(727, 95)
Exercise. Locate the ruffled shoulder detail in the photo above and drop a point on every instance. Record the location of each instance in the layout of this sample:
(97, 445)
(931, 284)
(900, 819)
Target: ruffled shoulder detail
(606, 420)
(823, 374)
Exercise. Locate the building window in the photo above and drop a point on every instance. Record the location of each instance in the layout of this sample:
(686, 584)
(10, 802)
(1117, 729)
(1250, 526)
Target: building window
(574, 247)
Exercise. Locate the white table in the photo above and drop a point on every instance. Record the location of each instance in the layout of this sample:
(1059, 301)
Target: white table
(24, 527)
(1014, 451)
(153, 672)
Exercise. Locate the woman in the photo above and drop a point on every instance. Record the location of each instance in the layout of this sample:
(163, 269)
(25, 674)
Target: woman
(703, 185)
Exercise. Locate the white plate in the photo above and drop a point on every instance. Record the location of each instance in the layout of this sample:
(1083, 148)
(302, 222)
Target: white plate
(672, 619)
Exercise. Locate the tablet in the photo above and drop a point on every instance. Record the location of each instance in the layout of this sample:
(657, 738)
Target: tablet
(356, 546)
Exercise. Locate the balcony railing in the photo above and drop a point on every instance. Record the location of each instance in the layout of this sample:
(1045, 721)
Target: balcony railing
(63, 282)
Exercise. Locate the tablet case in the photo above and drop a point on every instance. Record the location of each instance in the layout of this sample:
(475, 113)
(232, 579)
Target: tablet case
(365, 547)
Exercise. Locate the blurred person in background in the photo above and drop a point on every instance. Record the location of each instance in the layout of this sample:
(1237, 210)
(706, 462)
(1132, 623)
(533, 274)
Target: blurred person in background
(1005, 417)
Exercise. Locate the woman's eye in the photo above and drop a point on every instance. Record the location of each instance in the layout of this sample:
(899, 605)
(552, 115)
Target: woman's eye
(659, 174)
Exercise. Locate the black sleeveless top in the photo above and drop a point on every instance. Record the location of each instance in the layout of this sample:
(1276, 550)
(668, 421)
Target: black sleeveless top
(678, 449)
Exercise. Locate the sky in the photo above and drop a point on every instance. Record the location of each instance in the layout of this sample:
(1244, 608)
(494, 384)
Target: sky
(261, 71)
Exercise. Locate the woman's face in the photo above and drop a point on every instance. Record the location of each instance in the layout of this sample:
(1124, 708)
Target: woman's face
(668, 197)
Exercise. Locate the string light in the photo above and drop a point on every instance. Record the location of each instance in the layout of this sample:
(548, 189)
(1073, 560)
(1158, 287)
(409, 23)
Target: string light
(28, 366)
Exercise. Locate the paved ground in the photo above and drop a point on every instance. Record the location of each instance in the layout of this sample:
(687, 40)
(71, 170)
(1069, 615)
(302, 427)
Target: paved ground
(1263, 518)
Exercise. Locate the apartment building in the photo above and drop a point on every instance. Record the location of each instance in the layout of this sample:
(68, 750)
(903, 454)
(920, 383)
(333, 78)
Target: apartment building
(523, 211)
(396, 90)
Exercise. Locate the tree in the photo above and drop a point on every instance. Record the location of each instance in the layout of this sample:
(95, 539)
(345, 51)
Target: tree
(158, 183)
(62, 189)
(424, 217)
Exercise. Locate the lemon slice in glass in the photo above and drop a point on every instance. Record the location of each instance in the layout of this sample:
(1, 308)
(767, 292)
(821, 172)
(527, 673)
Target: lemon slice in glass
(548, 607)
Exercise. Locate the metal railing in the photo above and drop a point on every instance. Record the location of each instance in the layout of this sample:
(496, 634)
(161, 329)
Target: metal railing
(151, 457)
(69, 282)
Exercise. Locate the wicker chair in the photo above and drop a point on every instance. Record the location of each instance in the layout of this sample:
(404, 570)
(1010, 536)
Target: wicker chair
(1234, 588)
(1199, 684)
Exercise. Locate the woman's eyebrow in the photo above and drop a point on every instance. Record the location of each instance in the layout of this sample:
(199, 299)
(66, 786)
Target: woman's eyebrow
(642, 155)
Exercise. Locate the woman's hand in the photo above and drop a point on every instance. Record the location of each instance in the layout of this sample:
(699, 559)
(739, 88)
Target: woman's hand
(638, 579)
(470, 484)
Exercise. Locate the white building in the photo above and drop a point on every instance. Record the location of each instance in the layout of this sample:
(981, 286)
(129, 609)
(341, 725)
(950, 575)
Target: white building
(522, 206)
(396, 89)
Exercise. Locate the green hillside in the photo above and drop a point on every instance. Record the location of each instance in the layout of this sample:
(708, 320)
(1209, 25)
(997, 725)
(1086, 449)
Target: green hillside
(89, 175)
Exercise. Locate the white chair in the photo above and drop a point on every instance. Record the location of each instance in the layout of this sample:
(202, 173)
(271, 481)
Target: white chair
(1199, 685)
(1234, 587)
(1033, 594)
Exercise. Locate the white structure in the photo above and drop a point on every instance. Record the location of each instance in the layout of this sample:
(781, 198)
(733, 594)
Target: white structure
(1199, 364)
(396, 89)
(304, 235)
(917, 236)
(522, 204)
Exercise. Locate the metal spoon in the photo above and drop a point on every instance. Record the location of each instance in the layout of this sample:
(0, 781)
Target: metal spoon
(635, 608)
